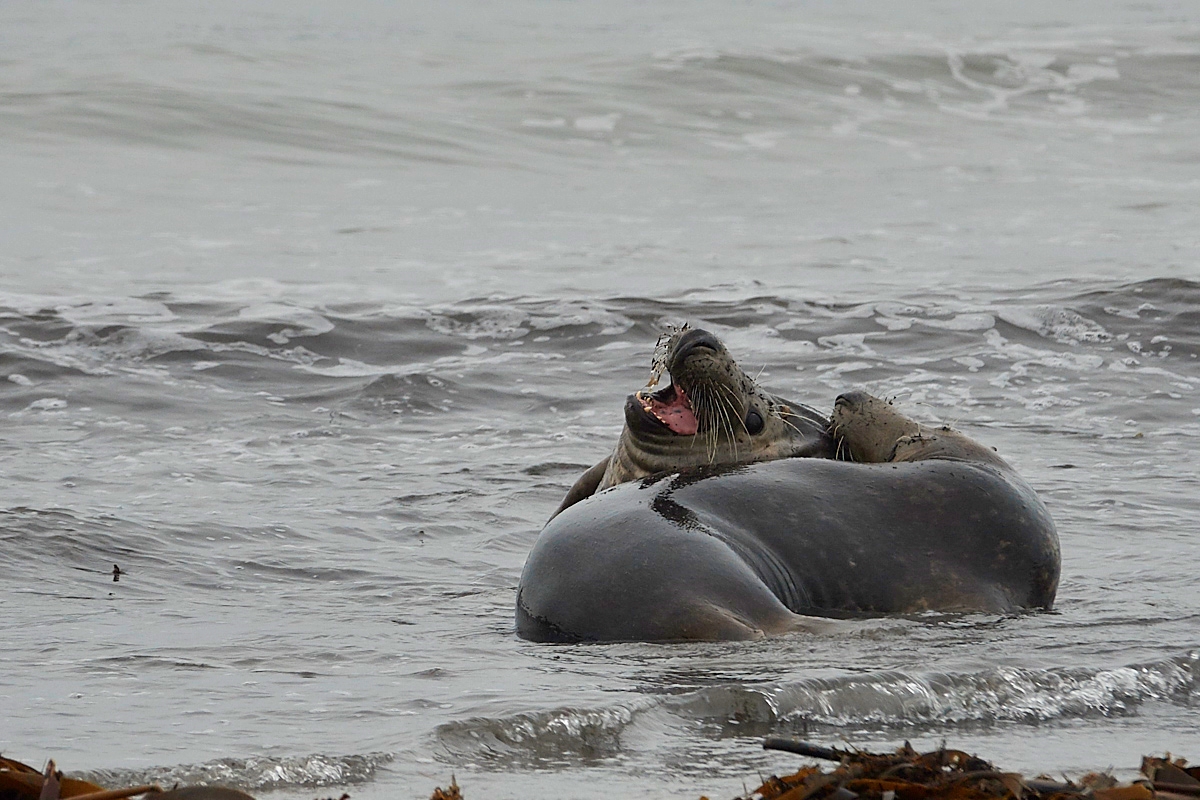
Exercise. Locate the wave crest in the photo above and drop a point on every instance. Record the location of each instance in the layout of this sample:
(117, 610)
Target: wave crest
(256, 773)
(884, 699)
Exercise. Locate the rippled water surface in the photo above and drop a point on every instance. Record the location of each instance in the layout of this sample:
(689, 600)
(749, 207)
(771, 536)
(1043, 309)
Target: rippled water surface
(308, 319)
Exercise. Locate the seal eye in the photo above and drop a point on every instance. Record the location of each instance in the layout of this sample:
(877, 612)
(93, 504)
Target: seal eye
(754, 422)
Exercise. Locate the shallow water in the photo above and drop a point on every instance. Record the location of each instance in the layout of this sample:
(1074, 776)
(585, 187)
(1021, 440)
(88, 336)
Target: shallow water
(309, 320)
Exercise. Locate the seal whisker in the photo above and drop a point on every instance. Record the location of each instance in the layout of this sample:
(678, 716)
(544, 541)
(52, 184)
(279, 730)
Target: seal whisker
(702, 406)
(733, 412)
(729, 397)
(841, 446)
(711, 429)
(725, 406)
(723, 423)
(791, 424)
(696, 396)
(718, 422)
(729, 430)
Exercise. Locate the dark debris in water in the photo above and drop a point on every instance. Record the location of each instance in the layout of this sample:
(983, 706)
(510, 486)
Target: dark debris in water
(946, 774)
(20, 781)
(954, 775)
(451, 792)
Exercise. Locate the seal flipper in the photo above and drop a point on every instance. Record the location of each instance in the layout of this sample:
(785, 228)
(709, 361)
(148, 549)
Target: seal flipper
(584, 487)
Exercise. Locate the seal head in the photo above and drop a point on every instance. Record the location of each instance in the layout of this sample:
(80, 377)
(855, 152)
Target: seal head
(711, 414)
(870, 430)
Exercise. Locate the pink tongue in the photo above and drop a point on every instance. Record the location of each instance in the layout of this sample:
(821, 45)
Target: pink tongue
(676, 415)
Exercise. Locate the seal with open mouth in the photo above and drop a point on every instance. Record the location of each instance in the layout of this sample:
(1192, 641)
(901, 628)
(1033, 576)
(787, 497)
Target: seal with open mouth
(711, 414)
(926, 519)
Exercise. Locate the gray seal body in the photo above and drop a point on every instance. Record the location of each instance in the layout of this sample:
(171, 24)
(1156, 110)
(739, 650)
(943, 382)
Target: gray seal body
(743, 551)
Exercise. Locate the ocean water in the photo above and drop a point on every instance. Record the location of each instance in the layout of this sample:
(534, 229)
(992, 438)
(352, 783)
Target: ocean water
(309, 316)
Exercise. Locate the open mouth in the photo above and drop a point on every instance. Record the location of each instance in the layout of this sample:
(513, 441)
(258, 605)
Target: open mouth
(671, 407)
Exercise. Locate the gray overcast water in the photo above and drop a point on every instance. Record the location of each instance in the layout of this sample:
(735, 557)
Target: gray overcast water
(311, 313)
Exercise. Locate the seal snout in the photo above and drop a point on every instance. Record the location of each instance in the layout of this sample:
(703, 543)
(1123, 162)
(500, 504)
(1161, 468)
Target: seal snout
(852, 400)
(691, 343)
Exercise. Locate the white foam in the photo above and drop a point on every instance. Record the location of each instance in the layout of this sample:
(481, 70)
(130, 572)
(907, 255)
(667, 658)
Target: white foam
(602, 123)
(1054, 322)
(962, 322)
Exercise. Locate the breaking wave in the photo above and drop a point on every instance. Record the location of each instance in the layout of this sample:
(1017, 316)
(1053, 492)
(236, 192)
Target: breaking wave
(252, 774)
(887, 700)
